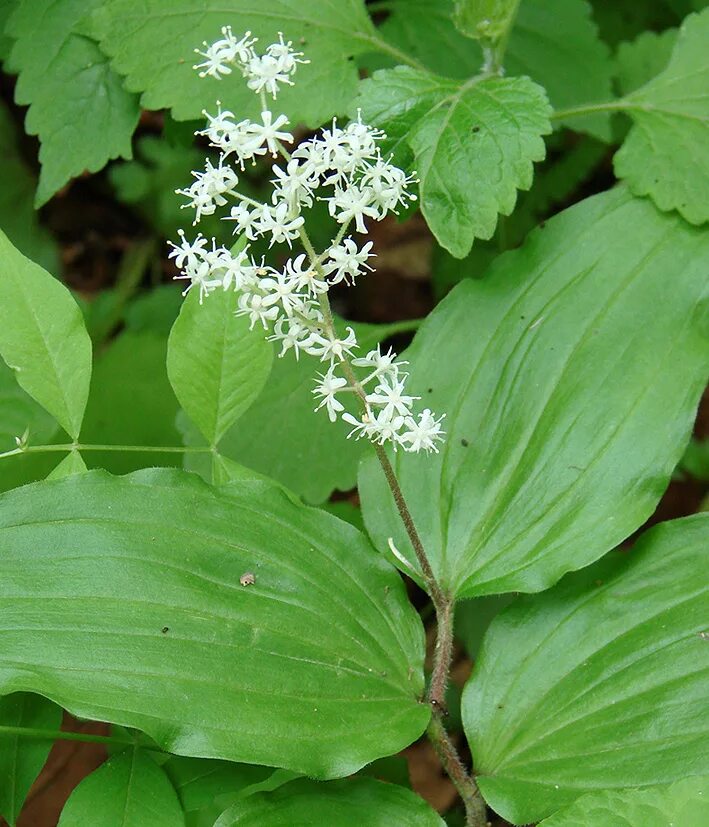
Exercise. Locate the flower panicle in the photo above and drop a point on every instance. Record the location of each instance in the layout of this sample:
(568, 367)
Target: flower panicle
(342, 166)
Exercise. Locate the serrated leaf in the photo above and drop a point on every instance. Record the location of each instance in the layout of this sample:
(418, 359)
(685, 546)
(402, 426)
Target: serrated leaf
(284, 438)
(21, 759)
(353, 802)
(43, 338)
(556, 374)
(129, 790)
(599, 684)
(330, 32)
(665, 154)
(639, 60)
(78, 106)
(18, 218)
(555, 42)
(473, 145)
(125, 596)
(685, 802)
(217, 365)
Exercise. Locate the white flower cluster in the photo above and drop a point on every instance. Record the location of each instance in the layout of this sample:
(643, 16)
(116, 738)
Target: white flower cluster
(345, 168)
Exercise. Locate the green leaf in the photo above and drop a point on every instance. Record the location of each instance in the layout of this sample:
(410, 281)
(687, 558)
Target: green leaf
(216, 364)
(21, 759)
(124, 595)
(6, 9)
(554, 42)
(330, 33)
(486, 20)
(598, 684)
(556, 374)
(473, 145)
(359, 802)
(282, 437)
(685, 802)
(71, 464)
(43, 338)
(18, 218)
(639, 60)
(129, 790)
(666, 153)
(78, 106)
(132, 403)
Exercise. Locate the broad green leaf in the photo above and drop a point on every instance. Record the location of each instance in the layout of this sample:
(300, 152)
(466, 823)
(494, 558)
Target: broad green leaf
(329, 33)
(129, 790)
(639, 60)
(472, 618)
(556, 373)
(485, 20)
(78, 107)
(666, 153)
(684, 803)
(473, 145)
(284, 438)
(43, 338)
(122, 600)
(202, 783)
(555, 42)
(18, 218)
(71, 464)
(353, 802)
(598, 684)
(216, 364)
(132, 403)
(22, 758)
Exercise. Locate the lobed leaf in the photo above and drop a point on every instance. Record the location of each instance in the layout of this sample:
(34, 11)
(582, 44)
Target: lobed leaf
(78, 107)
(556, 373)
(43, 338)
(473, 144)
(598, 684)
(666, 153)
(122, 599)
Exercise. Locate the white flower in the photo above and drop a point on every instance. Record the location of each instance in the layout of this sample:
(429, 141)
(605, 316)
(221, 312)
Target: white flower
(291, 333)
(266, 72)
(388, 186)
(378, 428)
(209, 190)
(247, 221)
(346, 261)
(281, 288)
(389, 393)
(187, 253)
(268, 132)
(277, 221)
(294, 185)
(197, 264)
(306, 276)
(239, 270)
(352, 204)
(422, 434)
(328, 346)
(222, 53)
(326, 388)
(255, 307)
(379, 364)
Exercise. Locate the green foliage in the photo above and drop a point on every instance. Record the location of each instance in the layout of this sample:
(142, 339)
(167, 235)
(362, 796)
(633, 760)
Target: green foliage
(43, 338)
(598, 684)
(473, 145)
(18, 219)
(216, 364)
(354, 802)
(78, 106)
(639, 60)
(555, 42)
(485, 20)
(129, 790)
(22, 759)
(685, 802)
(72, 463)
(141, 619)
(332, 33)
(556, 372)
(666, 154)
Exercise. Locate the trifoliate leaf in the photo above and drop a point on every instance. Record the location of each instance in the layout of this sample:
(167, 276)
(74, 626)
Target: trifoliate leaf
(329, 33)
(640, 60)
(78, 106)
(666, 153)
(597, 684)
(684, 803)
(555, 42)
(473, 144)
(556, 372)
